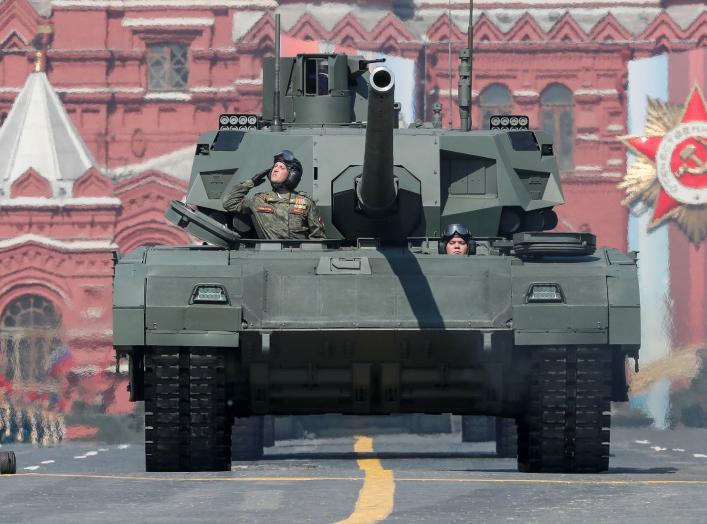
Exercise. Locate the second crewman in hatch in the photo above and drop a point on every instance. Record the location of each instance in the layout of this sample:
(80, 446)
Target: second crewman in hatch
(282, 213)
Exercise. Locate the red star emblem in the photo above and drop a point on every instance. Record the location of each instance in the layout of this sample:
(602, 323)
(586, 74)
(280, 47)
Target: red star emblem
(689, 156)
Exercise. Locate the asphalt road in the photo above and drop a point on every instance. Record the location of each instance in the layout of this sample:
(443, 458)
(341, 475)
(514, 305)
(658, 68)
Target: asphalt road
(655, 476)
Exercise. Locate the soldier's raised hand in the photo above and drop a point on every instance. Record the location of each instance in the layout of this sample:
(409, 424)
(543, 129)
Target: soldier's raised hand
(260, 177)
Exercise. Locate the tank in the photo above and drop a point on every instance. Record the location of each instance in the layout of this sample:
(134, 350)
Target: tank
(534, 326)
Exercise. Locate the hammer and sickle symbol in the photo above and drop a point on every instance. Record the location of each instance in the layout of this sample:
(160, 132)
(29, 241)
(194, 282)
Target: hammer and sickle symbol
(689, 153)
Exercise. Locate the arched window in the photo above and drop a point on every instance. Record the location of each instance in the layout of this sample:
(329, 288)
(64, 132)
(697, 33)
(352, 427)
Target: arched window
(30, 349)
(556, 104)
(494, 100)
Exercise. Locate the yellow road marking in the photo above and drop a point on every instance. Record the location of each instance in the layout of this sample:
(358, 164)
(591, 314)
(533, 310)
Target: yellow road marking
(375, 500)
(569, 482)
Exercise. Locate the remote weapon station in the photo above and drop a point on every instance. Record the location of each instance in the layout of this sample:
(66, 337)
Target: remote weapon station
(534, 326)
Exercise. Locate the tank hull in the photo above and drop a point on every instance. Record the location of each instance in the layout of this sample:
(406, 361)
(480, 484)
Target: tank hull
(363, 331)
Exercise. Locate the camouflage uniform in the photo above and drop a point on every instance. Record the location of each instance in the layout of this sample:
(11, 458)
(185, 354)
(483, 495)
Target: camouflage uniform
(292, 215)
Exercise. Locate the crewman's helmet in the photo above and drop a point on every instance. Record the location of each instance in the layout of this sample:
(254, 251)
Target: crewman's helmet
(449, 232)
(294, 168)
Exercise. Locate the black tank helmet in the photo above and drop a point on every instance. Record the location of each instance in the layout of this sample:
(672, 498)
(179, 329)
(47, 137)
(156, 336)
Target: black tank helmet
(294, 168)
(449, 232)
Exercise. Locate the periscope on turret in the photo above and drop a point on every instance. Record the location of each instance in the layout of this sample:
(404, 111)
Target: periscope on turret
(373, 320)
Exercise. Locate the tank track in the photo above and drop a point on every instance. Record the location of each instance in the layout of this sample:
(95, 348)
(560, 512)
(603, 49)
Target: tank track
(247, 438)
(566, 425)
(187, 426)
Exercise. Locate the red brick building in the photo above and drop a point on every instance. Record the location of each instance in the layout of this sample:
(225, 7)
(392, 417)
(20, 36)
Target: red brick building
(139, 79)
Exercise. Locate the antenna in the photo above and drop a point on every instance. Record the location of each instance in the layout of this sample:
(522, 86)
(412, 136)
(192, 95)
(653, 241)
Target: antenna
(465, 63)
(449, 59)
(276, 121)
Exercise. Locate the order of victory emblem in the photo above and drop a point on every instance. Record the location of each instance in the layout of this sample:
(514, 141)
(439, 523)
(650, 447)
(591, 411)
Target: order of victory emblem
(670, 170)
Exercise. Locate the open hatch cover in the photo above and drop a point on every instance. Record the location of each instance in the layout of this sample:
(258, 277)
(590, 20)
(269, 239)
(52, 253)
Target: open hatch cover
(201, 225)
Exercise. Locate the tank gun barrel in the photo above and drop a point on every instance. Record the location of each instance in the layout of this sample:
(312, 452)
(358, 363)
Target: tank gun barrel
(376, 189)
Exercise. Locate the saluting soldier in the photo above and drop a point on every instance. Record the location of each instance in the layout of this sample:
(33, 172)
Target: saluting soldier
(282, 213)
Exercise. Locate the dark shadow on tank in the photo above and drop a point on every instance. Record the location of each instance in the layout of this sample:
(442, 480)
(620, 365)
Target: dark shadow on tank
(416, 287)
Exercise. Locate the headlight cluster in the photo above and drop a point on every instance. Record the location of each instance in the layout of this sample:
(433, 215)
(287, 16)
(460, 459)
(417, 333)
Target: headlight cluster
(209, 294)
(509, 122)
(544, 292)
(238, 122)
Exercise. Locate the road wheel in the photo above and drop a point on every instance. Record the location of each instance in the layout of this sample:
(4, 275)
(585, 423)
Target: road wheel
(247, 438)
(477, 428)
(506, 437)
(8, 463)
(186, 424)
(566, 424)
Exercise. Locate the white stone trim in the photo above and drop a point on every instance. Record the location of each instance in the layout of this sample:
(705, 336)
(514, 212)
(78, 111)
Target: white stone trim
(168, 164)
(243, 21)
(248, 81)
(82, 333)
(612, 128)
(599, 92)
(587, 168)
(611, 174)
(167, 22)
(101, 90)
(616, 162)
(10, 89)
(589, 137)
(86, 371)
(150, 180)
(65, 245)
(211, 89)
(14, 32)
(443, 91)
(93, 313)
(179, 96)
(526, 93)
(54, 202)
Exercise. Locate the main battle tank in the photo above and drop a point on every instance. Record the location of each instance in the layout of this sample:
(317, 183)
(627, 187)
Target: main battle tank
(533, 325)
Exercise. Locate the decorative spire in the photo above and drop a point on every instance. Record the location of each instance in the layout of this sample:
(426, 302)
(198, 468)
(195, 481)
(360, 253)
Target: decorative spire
(41, 42)
(38, 133)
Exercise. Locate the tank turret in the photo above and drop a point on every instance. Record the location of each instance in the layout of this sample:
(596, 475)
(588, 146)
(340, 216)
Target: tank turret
(370, 178)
